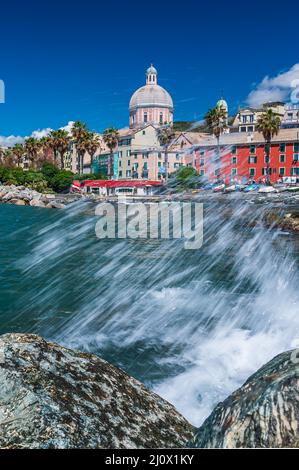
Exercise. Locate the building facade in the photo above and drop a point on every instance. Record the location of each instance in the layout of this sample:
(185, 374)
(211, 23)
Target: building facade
(243, 157)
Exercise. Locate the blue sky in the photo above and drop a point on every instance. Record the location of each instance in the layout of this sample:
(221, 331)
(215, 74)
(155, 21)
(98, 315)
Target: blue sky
(67, 60)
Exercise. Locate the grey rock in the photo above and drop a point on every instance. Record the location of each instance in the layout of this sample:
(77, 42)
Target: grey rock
(53, 397)
(56, 205)
(263, 413)
(9, 195)
(37, 203)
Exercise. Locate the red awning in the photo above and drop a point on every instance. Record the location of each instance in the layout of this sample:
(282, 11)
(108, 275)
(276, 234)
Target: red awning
(118, 184)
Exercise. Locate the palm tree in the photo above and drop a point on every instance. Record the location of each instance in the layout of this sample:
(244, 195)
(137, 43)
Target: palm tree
(19, 151)
(8, 158)
(93, 144)
(165, 137)
(32, 147)
(110, 137)
(216, 123)
(268, 124)
(46, 147)
(60, 142)
(2, 153)
(80, 135)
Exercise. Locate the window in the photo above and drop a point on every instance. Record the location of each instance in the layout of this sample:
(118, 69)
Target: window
(296, 157)
(143, 132)
(234, 150)
(244, 119)
(120, 173)
(119, 162)
(264, 171)
(128, 173)
(159, 155)
(234, 160)
(251, 118)
(296, 147)
(202, 153)
(282, 171)
(250, 129)
(251, 171)
(129, 162)
(267, 159)
(294, 171)
(252, 160)
(120, 154)
(234, 172)
(252, 149)
(161, 118)
(202, 172)
(243, 129)
(145, 118)
(128, 153)
(282, 148)
(282, 158)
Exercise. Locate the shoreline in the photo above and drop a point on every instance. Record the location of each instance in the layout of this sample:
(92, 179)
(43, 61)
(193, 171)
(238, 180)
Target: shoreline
(283, 210)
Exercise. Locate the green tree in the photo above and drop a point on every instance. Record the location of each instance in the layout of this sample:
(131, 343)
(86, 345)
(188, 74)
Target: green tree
(215, 120)
(110, 137)
(81, 137)
(32, 147)
(62, 181)
(19, 152)
(93, 144)
(59, 142)
(165, 137)
(185, 178)
(268, 124)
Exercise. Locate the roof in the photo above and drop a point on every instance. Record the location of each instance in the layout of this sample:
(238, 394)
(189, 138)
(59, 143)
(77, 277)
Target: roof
(117, 184)
(151, 95)
(244, 138)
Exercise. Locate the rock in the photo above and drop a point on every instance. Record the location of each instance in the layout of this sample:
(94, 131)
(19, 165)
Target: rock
(56, 205)
(17, 202)
(37, 203)
(264, 412)
(52, 397)
(8, 196)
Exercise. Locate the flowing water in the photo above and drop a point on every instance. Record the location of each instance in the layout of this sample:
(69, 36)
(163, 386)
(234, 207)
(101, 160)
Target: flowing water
(191, 324)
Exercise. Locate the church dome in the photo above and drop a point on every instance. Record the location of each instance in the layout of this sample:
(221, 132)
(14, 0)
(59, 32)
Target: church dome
(151, 95)
(151, 104)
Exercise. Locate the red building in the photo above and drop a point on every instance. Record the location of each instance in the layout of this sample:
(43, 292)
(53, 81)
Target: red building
(243, 157)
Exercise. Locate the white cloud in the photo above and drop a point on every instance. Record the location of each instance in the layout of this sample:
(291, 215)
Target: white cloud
(68, 127)
(278, 88)
(41, 133)
(11, 140)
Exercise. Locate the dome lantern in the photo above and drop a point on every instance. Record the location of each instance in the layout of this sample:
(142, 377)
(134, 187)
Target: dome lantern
(151, 75)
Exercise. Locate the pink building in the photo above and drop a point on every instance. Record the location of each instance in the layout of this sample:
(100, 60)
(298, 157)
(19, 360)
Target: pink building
(151, 104)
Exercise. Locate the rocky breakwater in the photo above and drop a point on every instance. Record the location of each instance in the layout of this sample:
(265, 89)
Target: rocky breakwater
(263, 413)
(22, 196)
(52, 397)
(288, 220)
